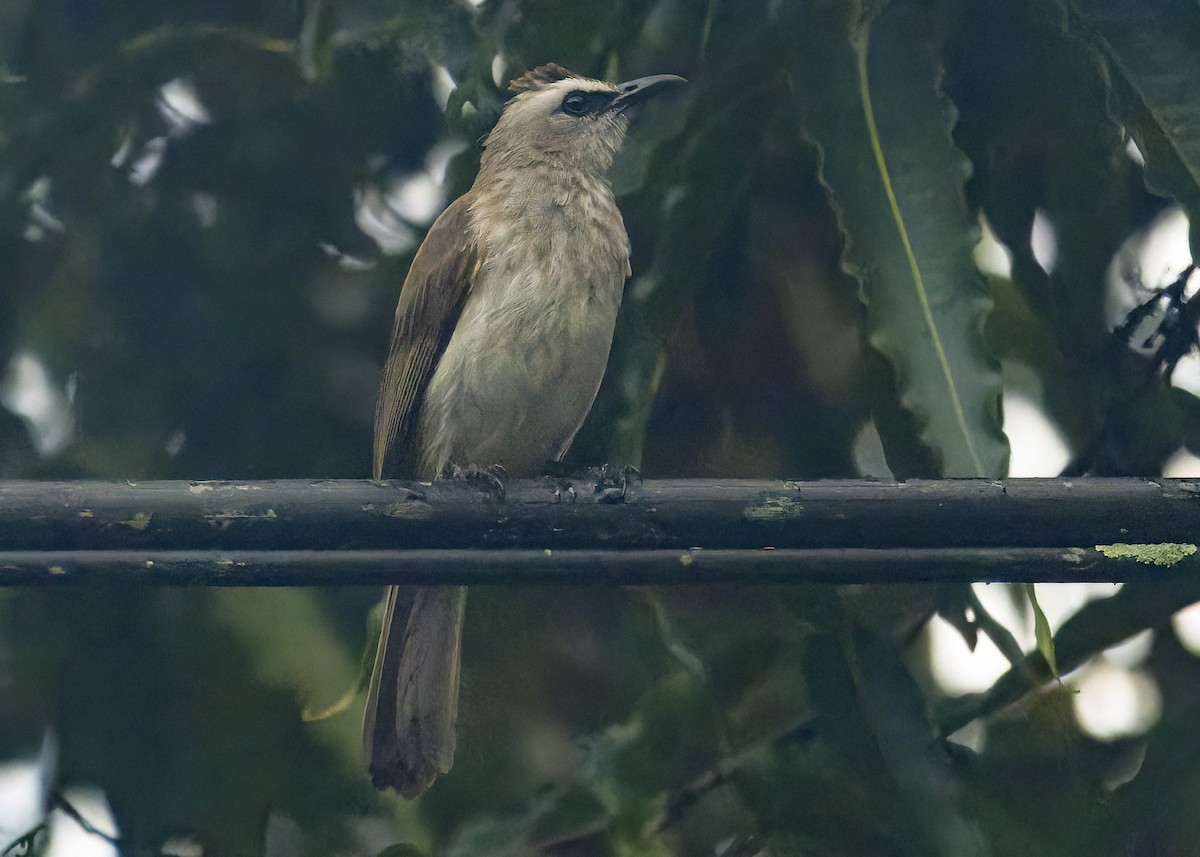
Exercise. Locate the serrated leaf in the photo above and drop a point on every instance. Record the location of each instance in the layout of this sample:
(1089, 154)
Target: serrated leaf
(1153, 60)
(868, 88)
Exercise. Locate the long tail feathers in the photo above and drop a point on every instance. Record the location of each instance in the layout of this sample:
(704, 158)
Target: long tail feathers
(412, 703)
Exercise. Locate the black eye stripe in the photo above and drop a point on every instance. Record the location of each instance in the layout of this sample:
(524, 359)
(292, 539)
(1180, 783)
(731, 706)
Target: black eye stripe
(581, 103)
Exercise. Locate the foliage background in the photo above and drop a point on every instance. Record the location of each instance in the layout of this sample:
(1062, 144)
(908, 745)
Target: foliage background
(188, 195)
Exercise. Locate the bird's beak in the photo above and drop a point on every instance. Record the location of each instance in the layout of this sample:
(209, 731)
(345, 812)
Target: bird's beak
(635, 91)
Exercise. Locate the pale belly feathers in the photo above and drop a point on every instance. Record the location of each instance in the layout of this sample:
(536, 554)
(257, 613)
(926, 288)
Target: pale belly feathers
(526, 359)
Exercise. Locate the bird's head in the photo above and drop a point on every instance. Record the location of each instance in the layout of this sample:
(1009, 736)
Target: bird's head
(566, 120)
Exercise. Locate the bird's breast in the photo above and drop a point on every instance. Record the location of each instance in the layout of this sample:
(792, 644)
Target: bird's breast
(529, 351)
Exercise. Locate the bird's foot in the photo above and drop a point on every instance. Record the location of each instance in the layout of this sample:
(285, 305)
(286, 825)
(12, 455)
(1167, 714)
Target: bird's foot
(564, 492)
(563, 479)
(611, 482)
(492, 478)
(614, 481)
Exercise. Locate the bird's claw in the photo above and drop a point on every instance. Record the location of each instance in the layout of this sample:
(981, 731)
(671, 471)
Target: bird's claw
(613, 482)
(492, 477)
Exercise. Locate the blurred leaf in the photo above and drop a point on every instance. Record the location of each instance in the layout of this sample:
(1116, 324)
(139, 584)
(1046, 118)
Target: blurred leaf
(899, 723)
(561, 820)
(33, 841)
(1000, 636)
(888, 787)
(708, 177)
(1100, 624)
(365, 665)
(401, 850)
(1046, 152)
(131, 675)
(868, 89)
(671, 638)
(315, 45)
(673, 736)
(1151, 48)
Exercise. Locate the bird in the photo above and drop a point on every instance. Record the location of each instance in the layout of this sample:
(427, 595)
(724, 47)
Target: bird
(500, 341)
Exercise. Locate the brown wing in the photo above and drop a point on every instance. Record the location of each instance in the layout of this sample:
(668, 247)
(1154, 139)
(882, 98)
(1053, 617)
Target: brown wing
(437, 285)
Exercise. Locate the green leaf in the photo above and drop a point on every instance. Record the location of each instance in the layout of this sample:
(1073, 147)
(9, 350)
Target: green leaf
(873, 716)
(1100, 624)
(1151, 50)
(672, 640)
(868, 89)
(361, 681)
(315, 45)
(1041, 630)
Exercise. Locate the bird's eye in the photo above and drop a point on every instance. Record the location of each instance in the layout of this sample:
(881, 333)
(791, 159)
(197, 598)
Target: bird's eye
(576, 105)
